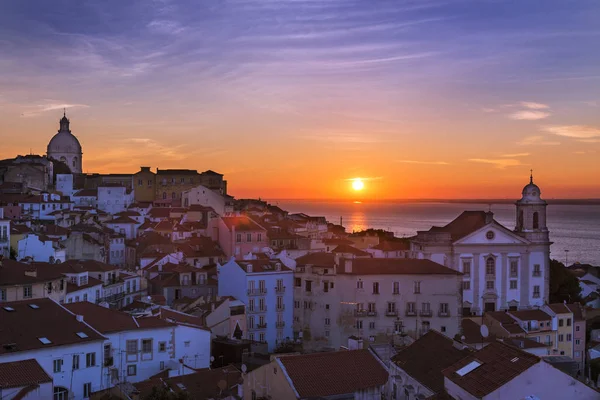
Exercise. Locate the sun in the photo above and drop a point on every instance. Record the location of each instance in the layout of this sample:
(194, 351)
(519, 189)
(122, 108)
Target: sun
(358, 184)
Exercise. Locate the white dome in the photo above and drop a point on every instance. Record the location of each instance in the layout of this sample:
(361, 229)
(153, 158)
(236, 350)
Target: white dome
(531, 193)
(64, 141)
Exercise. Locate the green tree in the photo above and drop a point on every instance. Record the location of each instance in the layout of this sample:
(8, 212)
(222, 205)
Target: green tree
(564, 286)
(161, 393)
(13, 253)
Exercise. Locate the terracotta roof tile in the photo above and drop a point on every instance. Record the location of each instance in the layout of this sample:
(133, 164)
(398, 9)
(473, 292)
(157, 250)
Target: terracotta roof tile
(262, 265)
(471, 330)
(242, 224)
(22, 373)
(334, 373)
(406, 266)
(320, 259)
(347, 249)
(577, 311)
(530, 315)
(499, 364)
(427, 357)
(465, 224)
(393, 245)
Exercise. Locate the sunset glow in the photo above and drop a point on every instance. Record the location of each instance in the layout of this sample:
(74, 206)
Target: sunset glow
(422, 95)
(358, 184)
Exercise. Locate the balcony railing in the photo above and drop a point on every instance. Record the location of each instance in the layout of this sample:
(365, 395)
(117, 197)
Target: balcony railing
(360, 313)
(537, 273)
(262, 326)
(257, 310)
(257, 292)
(279, 289)
(280, 324)
(411, 313)
(536, 295)
(280, 308)
(396, 293)
(425, 313)
(393, 313)
(443, 313)
(371, 313)
(549, 343)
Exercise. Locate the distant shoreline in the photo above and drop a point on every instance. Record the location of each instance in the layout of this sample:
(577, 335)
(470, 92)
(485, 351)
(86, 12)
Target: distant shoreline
(570, 202)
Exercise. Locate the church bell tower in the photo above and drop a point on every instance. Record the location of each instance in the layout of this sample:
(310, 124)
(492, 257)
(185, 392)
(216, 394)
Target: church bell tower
(531, 214)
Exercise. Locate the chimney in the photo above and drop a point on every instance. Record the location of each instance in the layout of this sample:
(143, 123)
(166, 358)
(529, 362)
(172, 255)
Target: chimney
(277, 266)
(79, 318)
(212, 306)
(355, 343)
(489, 217)
(249, 268)
(348, 266)
(145, 169)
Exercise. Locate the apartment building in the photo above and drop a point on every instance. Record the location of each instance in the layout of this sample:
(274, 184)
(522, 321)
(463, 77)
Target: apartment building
(569, 323)
(21, 281)
(374, 298)
(239, 236)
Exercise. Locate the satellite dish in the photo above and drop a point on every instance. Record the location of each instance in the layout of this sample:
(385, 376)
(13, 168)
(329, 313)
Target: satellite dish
(212, 359)
(244, 368)
(485, 332)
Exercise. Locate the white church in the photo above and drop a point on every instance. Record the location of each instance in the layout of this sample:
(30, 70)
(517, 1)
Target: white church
(503, 269)
(65, 147)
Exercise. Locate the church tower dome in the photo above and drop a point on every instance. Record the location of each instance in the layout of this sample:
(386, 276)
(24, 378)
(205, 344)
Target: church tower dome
(531, 214)
(65, 147)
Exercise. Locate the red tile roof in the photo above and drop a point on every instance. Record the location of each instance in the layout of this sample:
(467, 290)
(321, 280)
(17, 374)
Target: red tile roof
(559, 308)
(262, 266)
(394, 266)
(333, 373)
(577, 311)
(427, 357)
(500, 363)
(17, 273)
(71, 287)
(242, 224)
(347, 249)
(86, 193)
(465, 224)
(320, 259)
(26, 325)
(180, 318)
(22, 373)
(531, 315)
(122, 220)
(106, 320)
(471, 331)
(393, 245)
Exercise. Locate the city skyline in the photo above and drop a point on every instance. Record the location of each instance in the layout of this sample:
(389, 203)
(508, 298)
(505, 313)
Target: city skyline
(456, 99)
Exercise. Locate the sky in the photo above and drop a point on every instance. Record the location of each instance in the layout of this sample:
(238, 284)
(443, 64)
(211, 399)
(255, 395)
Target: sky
(295, 98)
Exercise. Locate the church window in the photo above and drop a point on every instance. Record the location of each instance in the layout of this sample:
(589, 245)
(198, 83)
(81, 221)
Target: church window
(536, 220)
(520, 219)
(514, 268)
(173, 195)
(164, 195)
(467, 267)
(537, 270)
(489, 235)
(490, 266)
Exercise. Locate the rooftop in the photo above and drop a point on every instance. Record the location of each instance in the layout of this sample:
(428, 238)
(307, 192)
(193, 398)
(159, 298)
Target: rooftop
(22, 373)
(394, 266)
(463, 225)
(320, 259)
(333, 373)
(242, 224)
(531, 315)
(263, 266)
(347, 249)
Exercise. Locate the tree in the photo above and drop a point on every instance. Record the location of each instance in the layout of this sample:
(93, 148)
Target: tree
(564, 286)
(161, 393)
(13, 253)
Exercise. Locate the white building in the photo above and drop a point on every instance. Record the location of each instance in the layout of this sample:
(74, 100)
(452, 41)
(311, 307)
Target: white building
(116, 250)
(503, 269)
(64, 184)
(114, 199)
(31, 382)
(4, 235)
(203, 196)
(372, 298)
(67, 348)
(499, 371)
(40, 248)
(86, 198)
(65, 147)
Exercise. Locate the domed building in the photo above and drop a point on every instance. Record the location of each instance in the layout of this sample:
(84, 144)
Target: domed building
(65, 147)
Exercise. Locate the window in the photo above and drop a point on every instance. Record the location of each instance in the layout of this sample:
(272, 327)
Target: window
(140, 182)
(375, 287)
(489, 235)
(410, 307)
(57, 365)
(261, 337)
(536, 270)
(568, 321)
(536, 291)
(259, 237)
(186, 343)
(536, 220)
(577, 354)
(444, 308)
(466, 285)
(248, 237)
(561, 338)
(396, 288)
(164, 195)
(325, 286)
(513, 284)
(359, 284)
(417, 287)
(146, 345)
(173, 195)
(326, 333)
(280, 303)
(391, 307)
(371, 325)
(514, 268)
(569, 337)
(87, 390)
(131, 370)
(443, 330)
(372, 308)
(162, 365)
(327, 306)
(561, 322)
(489, 285)
(466, 267)
(327, 321)
(238, 237)
(90, 360)
(359, 324)
(132, 347)
(261, 304)
(308, 286)
(577, 328)
(298, 282)
(296, 304)
(75, 361)
(26, 292)
(490, 266)
(426, 307)
(577, 341)
(2, 294)
(85, 297)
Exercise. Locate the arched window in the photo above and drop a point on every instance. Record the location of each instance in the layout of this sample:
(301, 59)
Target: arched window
(536, 220)
(164, 195)
(74, 161)
(173, 195)
(521, 219)
(490, 266)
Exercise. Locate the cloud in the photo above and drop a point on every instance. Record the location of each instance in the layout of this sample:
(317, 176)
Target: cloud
(423, 162)
(168, 27)
(373, 178)
(488, 110)
(498, 162)
(42, 108)
(515, 155)
(537, 140)
(527, 115)
(574, 131)
(534, 106)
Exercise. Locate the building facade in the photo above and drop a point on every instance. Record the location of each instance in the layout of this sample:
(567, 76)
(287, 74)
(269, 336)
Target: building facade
(65, 147)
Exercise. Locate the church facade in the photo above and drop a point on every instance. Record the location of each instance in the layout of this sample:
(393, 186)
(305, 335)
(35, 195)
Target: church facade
(65, 147)
(502, 269)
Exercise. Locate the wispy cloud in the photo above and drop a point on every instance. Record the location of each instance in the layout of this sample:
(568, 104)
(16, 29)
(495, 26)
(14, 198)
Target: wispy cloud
(168, 27)
(534, 106)
(515, 155)
(371, 178)
(574, 131)
(498, 162)
(39, 109)
(538, 141)
(423, 162)
(529, 115)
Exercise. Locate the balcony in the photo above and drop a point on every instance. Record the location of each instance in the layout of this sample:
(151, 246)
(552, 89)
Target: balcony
(443, 313)
(396, 293)
(549, 343)
(537, 273)
(257, 310)
(393, 313)
(279, 324)
(425, 313)
(371, 313)
(360, 313)
(411, 313)
(108, 362)
(262, 326)
(257, 292)
(280, 308)
(280, 290)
